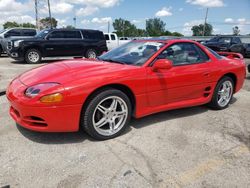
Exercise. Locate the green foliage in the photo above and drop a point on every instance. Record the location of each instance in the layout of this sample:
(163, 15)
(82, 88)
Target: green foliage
(198, 30)
(15, 24)
(155, 27)
(126, 28)
(45, 23)
(70, 27)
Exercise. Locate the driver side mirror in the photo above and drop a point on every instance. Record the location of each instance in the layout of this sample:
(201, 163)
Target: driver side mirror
(162, 64)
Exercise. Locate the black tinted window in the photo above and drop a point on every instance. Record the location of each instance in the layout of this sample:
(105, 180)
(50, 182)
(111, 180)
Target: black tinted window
(225, 40)
(214, 53)
(29, 32)
(184, 53)
(72, 34)
(112, 37)
(56, 35)
(107, 37)
(14, 32)
(94, 35)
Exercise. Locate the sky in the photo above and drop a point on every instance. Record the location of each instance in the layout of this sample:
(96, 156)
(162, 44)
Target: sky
(179, 15)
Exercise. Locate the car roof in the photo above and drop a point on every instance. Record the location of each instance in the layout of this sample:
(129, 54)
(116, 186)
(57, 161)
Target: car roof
(66, 29)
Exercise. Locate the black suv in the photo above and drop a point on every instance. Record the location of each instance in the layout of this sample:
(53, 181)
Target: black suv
(227, 44)
(58, 43)
(14, 33)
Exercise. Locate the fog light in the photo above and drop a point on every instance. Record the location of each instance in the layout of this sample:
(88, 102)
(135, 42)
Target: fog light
(56, 97)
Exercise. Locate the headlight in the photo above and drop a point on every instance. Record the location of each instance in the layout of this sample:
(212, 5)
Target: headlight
(35, 90)
(17, 43)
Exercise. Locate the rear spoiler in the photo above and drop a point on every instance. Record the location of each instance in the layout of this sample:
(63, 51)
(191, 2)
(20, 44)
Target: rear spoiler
(231, 55)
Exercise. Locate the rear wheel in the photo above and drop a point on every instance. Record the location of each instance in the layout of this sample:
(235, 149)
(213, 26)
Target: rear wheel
(107, 114)
(1, 51)
(33, 56)
(91, 54)
(223, 93)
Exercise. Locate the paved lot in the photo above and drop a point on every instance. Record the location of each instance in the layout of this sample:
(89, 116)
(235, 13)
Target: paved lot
(193, 147)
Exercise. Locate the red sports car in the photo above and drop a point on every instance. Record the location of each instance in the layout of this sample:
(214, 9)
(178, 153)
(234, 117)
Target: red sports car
(137, 79)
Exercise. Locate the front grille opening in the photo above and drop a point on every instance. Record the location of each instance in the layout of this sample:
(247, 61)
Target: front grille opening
(16, 112)
(35, 121)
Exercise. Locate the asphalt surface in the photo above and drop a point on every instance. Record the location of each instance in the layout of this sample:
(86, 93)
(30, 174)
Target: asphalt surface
(193, 147)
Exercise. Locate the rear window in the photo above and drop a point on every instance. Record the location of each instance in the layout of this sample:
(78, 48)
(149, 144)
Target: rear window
(94, 35)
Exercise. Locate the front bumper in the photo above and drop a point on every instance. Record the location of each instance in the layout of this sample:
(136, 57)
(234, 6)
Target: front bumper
(15, 53)
(47, 118)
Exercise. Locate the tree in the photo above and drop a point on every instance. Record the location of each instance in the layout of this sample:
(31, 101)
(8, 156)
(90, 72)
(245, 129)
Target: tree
(125, 28)
(236, 30)
(70, 27)
(177, 34)
(198, 30)
(28, 25)
(10, 25)
(155, 27)
(15, 24)
(45, 23)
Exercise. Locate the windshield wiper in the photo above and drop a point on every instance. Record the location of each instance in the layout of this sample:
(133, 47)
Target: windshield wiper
(113, 61)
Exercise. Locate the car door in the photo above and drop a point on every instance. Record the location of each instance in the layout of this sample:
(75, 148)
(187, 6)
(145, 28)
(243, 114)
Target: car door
(186, 80)
(73, 43)
(54, 44)
(236, 46)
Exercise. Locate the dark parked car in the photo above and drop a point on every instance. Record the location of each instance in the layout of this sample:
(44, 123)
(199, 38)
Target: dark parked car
(227, 44)
(58, 43)
(14, 33)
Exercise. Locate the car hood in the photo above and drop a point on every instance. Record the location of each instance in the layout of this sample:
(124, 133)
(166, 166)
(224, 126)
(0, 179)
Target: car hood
(67, 71)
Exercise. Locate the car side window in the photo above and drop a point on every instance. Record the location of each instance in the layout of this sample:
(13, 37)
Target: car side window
(236, 40)
(107, 37)
(112, 37)
(29, 32)
(72, 35)
(184, 54)
(14, 33)
(56, 35)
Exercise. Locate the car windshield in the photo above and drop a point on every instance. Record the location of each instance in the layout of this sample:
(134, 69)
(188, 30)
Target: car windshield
(42, 33)
(1, 31)
(132, 53)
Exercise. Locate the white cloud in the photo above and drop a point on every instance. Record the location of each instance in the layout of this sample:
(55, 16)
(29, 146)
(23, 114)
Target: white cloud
(101, 20)
(97, 3)
(85, 22)
(136, 21)
(87, 11)
(229, 20)
(239, 21)
(61, 8)
(164, 12)
(207, 3)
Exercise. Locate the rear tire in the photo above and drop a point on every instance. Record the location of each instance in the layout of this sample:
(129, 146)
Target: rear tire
(1, 51)
(33, 56)
(223, 94)
(107, 114)
(91, 54)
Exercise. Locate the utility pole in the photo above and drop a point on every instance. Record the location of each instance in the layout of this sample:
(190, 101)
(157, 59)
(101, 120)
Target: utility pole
(36, 12)
(205, 23)
(50, 18)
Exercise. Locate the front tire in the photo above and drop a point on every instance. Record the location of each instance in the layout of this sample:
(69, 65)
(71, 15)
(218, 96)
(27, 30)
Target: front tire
(33, 56)
(223, 93)
(91, 54)
(107, 114)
